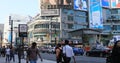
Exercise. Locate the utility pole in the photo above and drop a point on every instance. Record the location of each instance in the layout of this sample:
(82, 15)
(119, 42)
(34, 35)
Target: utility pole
(11, 23)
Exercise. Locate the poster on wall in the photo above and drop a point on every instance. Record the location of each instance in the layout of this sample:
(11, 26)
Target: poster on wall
(80, 5)
(113, 3)
(96, 20)
(105, 3)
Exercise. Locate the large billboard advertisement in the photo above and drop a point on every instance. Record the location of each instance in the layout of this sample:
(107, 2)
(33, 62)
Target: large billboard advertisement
(114, 3)
(80, 5)
(96, 20)
(106, 3)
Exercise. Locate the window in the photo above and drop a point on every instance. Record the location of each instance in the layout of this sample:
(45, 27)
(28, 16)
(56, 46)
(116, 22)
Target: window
(107, 27)
(70, 18)
(70, 26)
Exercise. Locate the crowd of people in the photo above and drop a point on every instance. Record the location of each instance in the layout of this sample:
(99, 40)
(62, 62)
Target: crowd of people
(7, 52)
(64, 53)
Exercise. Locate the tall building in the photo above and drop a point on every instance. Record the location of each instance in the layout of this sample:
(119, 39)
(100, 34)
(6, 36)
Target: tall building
(72, 15)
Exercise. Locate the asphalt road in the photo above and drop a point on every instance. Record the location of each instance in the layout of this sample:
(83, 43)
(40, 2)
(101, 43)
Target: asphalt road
(79, 59)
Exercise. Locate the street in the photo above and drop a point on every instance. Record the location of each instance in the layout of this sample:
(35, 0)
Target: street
(79, 59)
(50, 58)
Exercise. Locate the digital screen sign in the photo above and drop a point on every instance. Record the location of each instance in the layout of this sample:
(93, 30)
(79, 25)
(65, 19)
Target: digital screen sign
(106, 3)
(80, 5)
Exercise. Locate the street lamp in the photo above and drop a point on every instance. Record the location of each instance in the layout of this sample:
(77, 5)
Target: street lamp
(11, 23)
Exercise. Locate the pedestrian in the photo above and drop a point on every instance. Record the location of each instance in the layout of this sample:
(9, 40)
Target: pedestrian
(115, 56)
(33, 52)
(58, 51)
(3, 51)
(68, 52)
(12, 54)
(7, 54)
(19, 52)
(0, 51)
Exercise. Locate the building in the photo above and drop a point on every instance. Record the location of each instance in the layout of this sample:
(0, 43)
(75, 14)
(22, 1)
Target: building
(1, 33)
(43, 31)
(13, 20)
(100, 15)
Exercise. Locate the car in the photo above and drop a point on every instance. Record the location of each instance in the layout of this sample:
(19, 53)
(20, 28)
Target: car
(44, 49)
(104, 52)
(51, 50)
(78, 51)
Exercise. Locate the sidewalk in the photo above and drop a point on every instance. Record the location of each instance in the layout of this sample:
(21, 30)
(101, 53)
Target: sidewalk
(2, 60)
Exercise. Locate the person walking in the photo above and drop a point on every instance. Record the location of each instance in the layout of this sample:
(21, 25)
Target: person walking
(68, 52)
(58, 51)
(33, 52)
(7, 54)
(3, 51)
(19, 52)
(12, 54)
(115, 55)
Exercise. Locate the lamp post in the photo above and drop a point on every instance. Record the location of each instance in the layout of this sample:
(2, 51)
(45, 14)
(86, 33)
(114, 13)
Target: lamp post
(11, 23)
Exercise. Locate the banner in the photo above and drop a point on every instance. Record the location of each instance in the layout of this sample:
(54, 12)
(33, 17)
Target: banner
(95, 14)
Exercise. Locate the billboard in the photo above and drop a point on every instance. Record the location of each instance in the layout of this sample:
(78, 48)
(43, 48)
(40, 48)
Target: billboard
(115, 3)
(23, 28)
(95, 14)
(80, 5)
(105, 3)
(49, 12)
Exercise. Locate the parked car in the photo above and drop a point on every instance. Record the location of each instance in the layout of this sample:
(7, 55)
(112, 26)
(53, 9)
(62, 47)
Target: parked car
(78, 51)
(104, 52)
(44, 49)
(51, 50)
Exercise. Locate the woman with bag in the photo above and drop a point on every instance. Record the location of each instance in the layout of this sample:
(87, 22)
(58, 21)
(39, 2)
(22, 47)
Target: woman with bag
(58, 51)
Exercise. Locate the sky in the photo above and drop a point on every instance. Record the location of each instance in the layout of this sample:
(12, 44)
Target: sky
(21, 7)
